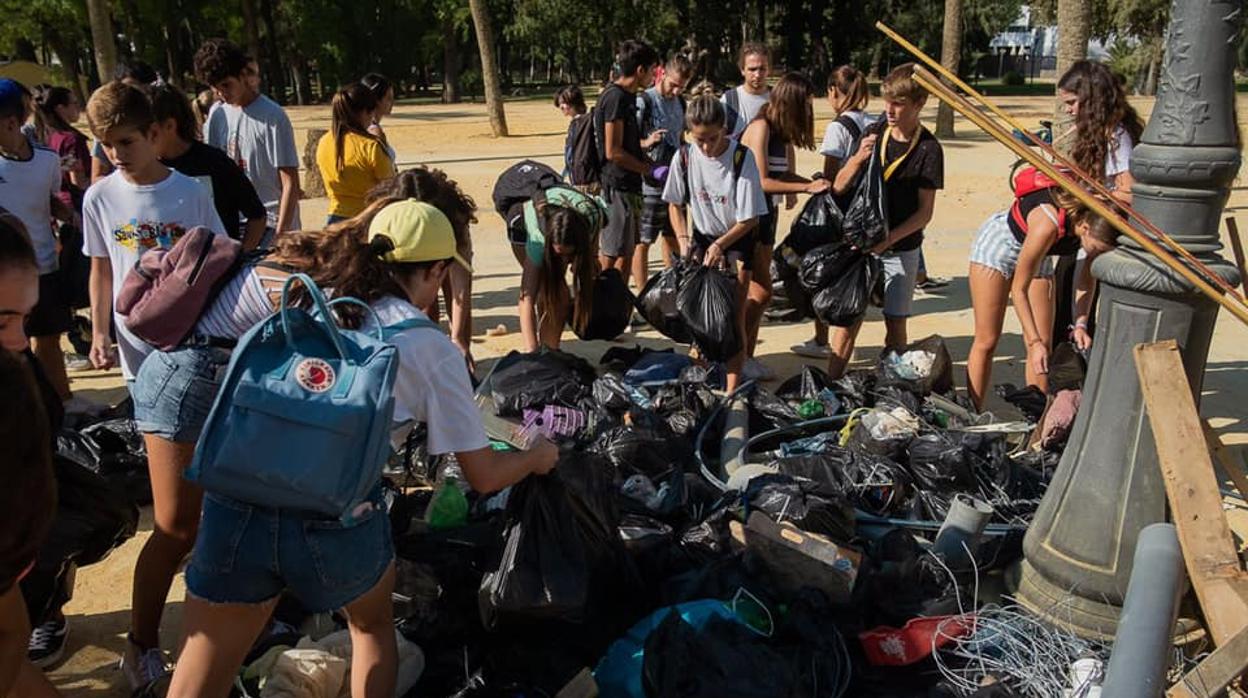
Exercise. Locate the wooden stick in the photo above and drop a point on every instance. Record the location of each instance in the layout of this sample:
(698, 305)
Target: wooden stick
(1234, 470)
(1094, 182)
(1215, 672)
(962, 106)
(1237, 246)
(1192, 490)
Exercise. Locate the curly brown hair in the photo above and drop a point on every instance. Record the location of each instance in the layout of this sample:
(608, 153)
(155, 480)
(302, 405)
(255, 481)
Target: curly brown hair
(433, 187)
(789, 111)
(1102, 108)
(218, 59)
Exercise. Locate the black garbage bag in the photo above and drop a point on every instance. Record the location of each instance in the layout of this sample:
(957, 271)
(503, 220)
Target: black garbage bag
(1031, 401)
(120, 455)
(819, 223)
(804, 386)
(872, 483)
(544, 377)
(612, 309)
(855, 389)
(841, 280)
(652, 450)
(884, 431)
(612, 393)
(900, 581)
(769, 412)
(93, 517)
(866, 215)
(786, 271)
(659, 305)
(923, 368)
(940, 462)
(561, 546)
(892, 396)
(812, 506)
(708, 306)
(1067, 368)
(723, 660)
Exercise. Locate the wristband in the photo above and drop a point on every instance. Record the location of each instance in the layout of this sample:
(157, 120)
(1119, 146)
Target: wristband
(1081, 325)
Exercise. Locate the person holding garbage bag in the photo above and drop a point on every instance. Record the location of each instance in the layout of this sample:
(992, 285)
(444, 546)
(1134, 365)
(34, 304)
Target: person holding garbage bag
(716, 179)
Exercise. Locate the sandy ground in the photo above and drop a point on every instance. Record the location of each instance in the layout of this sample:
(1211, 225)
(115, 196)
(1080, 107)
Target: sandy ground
(457, 139)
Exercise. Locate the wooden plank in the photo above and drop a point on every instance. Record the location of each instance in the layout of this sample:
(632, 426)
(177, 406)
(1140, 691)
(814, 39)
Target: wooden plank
(1216, 672)
(1233, 466)
(1237, 246)
(1192, 490)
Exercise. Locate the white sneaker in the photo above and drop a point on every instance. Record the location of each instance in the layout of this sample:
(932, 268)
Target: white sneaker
(141, 666)
(77, 362)
(811, 350)
(756, 370)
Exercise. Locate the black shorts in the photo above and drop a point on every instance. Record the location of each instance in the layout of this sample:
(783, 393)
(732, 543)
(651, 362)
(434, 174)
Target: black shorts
(766, 230)
(654, 219)
(52, 315)
(740, 252)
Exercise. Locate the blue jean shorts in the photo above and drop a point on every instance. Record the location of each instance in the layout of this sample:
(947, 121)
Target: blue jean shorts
(247, 554)
(174, 391)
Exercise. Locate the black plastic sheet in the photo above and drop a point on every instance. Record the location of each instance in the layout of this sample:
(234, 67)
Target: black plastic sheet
(544, 377)
(658, 303)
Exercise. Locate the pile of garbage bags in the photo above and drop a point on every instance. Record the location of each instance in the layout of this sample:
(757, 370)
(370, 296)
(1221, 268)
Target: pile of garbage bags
(635, 567)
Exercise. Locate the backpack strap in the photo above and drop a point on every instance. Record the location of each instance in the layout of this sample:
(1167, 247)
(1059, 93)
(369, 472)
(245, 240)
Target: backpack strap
(732, 107)
(851, 126)
(738, 161)
(410, 323)
(684, 168)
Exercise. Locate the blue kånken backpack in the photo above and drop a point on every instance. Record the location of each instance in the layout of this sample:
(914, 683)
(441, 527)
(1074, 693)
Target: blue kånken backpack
(303, 417)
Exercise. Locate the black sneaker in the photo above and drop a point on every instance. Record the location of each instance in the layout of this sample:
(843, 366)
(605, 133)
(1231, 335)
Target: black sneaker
(47, 643)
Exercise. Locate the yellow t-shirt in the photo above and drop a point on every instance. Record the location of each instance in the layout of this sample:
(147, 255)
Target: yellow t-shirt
(364, 164)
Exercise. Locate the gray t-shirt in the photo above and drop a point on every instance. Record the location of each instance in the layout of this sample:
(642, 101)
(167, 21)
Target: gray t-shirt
(718, 200)
(260, 139)
(664, 112)
(749, 105)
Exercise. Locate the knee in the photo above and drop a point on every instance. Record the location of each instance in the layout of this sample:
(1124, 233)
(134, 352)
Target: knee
(760, 291)
(985, 345)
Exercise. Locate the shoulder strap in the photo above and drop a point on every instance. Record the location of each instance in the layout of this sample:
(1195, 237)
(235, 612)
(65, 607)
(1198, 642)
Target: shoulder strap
(409, 324)
(733, 99)
(890, 168)
(738, 161)
(850, 125)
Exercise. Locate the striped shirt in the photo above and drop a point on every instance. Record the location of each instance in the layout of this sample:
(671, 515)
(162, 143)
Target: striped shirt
(242, 304)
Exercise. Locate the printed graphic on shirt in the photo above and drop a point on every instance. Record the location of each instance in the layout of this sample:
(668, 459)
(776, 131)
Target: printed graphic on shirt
(140, 236)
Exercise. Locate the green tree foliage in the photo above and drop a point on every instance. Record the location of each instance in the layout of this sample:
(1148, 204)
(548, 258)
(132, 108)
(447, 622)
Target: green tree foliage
(309, 47)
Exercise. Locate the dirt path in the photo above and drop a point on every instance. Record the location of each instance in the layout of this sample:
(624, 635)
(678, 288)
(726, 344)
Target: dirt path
(456, 138)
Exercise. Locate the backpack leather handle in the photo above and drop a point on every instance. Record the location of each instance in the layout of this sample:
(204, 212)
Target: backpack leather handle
(322, 308)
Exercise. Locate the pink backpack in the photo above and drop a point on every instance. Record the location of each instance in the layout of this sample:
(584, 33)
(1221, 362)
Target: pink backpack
(167, 290)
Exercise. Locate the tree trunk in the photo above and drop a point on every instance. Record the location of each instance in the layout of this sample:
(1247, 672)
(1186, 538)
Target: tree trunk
(1154, 70)
(950, 53)
(173, 45)
(452, 63)
(271, 67)
(760, 9)
(102, 38)
(251, 30)
(67, 53)
(489, 67)
(1074, 27)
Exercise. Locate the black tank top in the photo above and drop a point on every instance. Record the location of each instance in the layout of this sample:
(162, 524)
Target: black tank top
(1067, 242)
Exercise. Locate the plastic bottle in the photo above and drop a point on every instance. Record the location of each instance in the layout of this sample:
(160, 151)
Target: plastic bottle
(449, 506)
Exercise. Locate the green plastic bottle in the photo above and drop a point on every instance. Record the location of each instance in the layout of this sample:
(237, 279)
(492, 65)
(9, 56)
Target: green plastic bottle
(811, 409)
(449, 506)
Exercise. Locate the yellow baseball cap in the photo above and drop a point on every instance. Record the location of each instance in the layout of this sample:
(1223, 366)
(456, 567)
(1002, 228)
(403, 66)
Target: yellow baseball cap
(419, 232)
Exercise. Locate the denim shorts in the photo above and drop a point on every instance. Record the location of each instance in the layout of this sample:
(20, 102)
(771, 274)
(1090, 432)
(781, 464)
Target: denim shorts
(247, 554)
(996, 248)
(174, 391)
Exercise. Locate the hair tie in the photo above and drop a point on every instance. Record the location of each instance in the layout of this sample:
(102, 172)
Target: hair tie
(380, 245)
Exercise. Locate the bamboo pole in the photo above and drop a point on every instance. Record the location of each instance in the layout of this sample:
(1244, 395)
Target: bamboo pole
(1088, 179)
(968, 110)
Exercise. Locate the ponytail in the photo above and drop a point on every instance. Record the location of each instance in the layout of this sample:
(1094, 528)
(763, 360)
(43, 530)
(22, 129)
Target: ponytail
(704, 109)
(349, 103)
(852, 84)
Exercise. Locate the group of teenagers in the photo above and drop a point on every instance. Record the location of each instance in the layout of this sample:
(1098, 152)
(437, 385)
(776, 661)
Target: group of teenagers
(704, 178)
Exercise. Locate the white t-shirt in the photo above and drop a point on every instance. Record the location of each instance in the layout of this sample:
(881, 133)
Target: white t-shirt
(718, 202)
(260, 139)
(837, 139)
(26, 191)
(122, 220)
(1118, 155)
(432, 386)
(749, 106)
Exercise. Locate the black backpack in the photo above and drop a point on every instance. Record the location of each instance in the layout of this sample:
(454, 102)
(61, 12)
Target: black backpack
(585, 167)
(517, 184)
